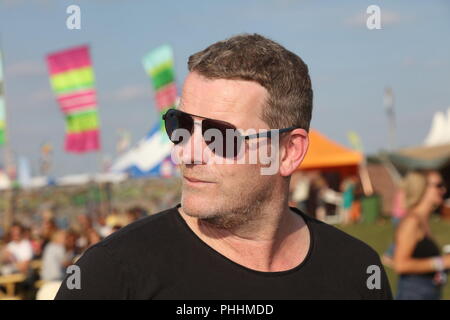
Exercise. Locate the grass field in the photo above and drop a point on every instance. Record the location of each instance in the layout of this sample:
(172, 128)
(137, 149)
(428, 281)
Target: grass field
(380, 235)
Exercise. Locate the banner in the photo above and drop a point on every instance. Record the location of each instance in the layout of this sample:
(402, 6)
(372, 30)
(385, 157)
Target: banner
(355, 141)
(72, 80)
(159, 65)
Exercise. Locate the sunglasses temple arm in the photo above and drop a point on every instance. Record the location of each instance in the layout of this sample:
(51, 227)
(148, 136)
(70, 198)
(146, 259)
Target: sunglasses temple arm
(268, 134)
(258, 135)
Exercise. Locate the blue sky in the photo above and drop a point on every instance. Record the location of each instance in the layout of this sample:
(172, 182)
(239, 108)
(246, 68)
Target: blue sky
(349, 64)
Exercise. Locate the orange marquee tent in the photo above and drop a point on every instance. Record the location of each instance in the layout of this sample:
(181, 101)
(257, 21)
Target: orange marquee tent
(325, 154)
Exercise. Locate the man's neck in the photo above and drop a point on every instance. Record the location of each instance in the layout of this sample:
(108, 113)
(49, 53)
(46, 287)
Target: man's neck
(276, 241)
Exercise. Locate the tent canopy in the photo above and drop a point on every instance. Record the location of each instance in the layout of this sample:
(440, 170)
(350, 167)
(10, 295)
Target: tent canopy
(427, 153)
(149, 158)
(433, 154)
(439, 133)
(324, 153)
(422, 157)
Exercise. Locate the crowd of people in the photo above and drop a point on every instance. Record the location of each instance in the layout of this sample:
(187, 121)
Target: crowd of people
(414, 254)
(43, 250)
(328, 199)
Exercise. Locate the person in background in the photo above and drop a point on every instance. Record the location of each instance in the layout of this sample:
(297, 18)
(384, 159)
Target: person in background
(18, 252)
(83, 226)
(102, 228)
(327, 199)
(134, 213)
(72, 251)
(314, 205)
(398, 206)
(36, 241)
(348, 196)
(356, 208)
(84, 222)
(54, 258)
(300, 191)
(114, 218)
(417, 257)
(93, 237)
(47, 229)
(398, 212)
(117, 227)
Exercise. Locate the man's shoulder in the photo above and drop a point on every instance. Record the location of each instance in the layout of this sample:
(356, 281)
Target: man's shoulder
(145, 232)
(335, 241)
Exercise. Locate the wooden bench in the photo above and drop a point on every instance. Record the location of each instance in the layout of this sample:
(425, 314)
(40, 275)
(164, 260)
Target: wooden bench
(9, 282)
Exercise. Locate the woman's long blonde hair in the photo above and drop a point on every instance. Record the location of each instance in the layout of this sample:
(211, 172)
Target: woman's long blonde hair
(414, 186)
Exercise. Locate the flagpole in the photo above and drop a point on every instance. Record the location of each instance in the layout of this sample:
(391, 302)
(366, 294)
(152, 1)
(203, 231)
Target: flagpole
(388, 101)
(8, 214)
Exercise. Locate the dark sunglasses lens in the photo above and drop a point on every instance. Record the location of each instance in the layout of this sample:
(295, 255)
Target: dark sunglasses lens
(175, 119)
(229, 137)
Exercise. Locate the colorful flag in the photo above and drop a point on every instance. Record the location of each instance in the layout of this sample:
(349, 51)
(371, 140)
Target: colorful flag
(124, 140)
(72, 80)
(355, 141)
(2, 104)
(159, 65)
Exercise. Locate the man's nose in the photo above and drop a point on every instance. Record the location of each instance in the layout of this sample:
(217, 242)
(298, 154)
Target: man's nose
(193, 149)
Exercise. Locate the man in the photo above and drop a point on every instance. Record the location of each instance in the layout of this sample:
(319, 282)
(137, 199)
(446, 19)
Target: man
(233, 236)
(55, 258)
(18, 252)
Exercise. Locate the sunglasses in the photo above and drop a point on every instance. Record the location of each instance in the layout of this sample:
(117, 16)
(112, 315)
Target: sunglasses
(176, 119)
(439, 185)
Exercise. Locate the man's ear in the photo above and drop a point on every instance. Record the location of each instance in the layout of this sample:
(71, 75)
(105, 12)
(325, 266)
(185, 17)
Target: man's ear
(293, 151)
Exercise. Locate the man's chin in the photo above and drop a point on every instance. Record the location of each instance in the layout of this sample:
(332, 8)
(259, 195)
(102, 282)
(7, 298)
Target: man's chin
(196, 214)
(196, 208)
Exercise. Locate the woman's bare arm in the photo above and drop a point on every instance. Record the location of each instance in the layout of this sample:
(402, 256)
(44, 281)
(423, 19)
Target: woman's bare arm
(408, 234)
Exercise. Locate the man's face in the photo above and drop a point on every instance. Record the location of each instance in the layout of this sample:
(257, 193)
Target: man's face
(436, 189)
(229, 191)
(16, 233)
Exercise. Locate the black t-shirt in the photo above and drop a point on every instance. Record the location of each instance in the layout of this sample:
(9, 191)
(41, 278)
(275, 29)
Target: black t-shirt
(160, 257)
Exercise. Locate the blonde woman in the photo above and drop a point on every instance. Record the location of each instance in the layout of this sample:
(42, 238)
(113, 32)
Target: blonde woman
(417, 257)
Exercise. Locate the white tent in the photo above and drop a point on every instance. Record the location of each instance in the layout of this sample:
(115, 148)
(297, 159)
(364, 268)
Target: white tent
(85, 178)
(439, 133)
(73, 179)
(150, 157)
